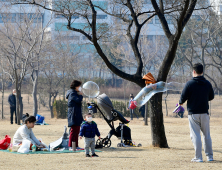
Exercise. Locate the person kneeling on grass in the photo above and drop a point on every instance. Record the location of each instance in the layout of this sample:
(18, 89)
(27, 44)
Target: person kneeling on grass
(25, 132)
(89, 130)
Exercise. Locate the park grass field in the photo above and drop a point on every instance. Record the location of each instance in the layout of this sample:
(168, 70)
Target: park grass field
(178, 156)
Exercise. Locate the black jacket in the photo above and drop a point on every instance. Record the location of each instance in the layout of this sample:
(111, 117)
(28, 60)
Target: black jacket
(12, 100)
(74, 108)
(197, 92)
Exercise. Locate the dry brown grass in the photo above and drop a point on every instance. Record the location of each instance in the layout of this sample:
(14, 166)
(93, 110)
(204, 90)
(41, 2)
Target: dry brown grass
(177, 157)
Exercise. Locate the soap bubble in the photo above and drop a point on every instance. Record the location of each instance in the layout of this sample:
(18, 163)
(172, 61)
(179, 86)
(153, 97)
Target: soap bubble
(90, 89)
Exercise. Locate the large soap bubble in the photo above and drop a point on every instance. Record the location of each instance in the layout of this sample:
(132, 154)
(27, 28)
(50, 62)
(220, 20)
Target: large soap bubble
(90, 89)
(147, 92)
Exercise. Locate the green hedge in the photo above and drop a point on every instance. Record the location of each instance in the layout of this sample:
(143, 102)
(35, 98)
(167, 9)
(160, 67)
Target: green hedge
(60, 109)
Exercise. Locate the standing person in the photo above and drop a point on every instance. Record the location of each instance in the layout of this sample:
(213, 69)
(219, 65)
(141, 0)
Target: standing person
(74, 96)
(142, 111)
(198, 92)
(132, 110)
(89, 130)
(12, 102)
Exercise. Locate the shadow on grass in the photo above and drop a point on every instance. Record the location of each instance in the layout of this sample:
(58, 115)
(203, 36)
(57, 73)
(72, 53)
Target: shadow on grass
(214, 162)
(119, 149)
(183, 149)
(217, 151)
(122, 157)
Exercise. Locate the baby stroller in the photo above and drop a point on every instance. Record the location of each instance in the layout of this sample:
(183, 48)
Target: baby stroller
(122, 131)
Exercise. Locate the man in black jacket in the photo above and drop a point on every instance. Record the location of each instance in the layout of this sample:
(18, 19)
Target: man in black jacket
(12, 102)
(198, 92)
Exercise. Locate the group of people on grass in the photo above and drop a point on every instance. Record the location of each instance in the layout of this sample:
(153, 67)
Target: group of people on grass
(75, 120)
(197, 92)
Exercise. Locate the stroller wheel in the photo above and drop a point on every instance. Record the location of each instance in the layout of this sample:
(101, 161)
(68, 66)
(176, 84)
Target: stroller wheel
(106, 142)
(120, 145)
(99, 141)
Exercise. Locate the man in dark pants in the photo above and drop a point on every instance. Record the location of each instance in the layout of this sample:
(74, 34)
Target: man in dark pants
(198, 92)
(12, 102)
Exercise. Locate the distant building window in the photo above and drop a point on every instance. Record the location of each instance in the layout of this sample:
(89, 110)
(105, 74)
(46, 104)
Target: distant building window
(69, 38)
(150, 38)
(169, 19)
(34, 17)
(220, 8)
(84, 38)
(147, 2)
(129, 17)
(101, 17)
(157, 20)
(10, 18)
(161, 38)
(98, 17)
(151, 20)
(59, 16)
(196, 17)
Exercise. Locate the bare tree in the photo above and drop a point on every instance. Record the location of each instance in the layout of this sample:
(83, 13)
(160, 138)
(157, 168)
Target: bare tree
(3, 82)
(52, 81)
(201, 42)
(18, 41)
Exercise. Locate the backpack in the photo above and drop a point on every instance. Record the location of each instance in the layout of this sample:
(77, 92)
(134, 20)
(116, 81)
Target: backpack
(4, 144)
(133, 104)
(39, 118)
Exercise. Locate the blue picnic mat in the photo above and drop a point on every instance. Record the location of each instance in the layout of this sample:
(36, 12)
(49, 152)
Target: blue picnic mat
(47, 152)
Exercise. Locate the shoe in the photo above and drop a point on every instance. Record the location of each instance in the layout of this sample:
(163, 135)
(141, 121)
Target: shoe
(78, 148)
(88, 155)
(94, 155)
(196, 160)
(210, 159)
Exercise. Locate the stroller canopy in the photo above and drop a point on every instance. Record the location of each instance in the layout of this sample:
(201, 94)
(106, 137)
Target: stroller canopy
(105, 103)
(112, 115)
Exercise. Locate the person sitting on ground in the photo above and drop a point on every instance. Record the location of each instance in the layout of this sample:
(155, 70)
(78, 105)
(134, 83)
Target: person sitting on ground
(25, 132)
(89, 130)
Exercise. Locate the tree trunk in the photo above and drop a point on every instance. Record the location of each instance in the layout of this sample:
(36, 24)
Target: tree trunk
(155, 106)
(166, 103)
(3, 92)
(17, 104)
(34, 78)
(64, 87)
(156, 122)
(20, 106)
(146, 115)
(51, 105)
(35, 100)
